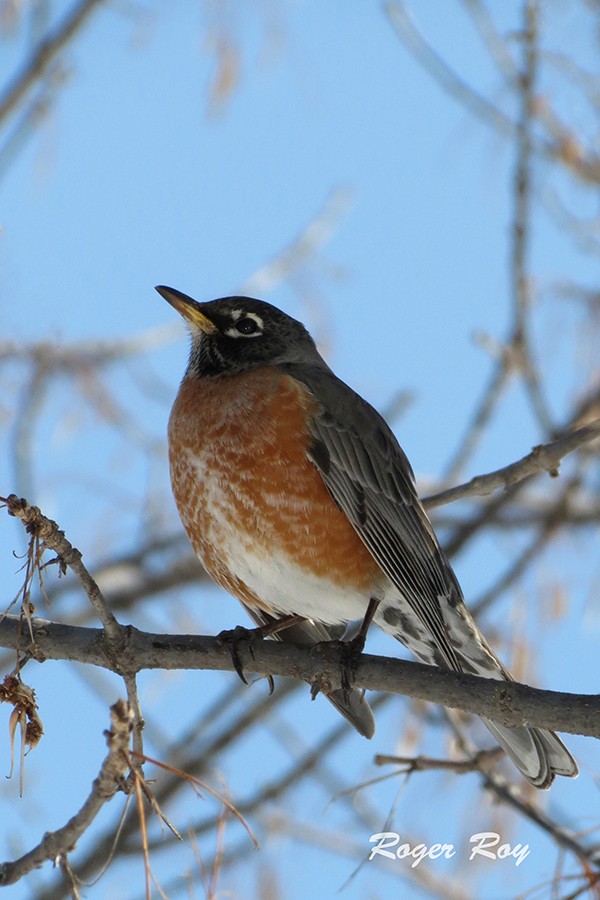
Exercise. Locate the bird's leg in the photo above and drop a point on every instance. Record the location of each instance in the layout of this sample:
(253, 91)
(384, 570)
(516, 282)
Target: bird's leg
(349, 651)
(233, 637)
(352, 649)
(361, 637)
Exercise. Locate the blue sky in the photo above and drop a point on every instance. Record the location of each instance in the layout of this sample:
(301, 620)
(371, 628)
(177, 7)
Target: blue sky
(132, 182)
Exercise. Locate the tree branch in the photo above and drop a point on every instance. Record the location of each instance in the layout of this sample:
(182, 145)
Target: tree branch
(508, 703)
(543, 458)
(50, 535)
(43, 55)
(55, 844)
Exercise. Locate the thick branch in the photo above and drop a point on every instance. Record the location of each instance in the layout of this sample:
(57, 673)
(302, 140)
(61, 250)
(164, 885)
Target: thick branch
(508, 703)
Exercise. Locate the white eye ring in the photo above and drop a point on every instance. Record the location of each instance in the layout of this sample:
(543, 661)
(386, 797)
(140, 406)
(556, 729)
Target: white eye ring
(240, 315)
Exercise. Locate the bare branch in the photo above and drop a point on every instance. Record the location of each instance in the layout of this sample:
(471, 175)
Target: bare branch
(561, 144)
(442, 73)
(562, 836)
(312, 237)
(195, 752)
(509, 703)
(496, 784)
(55, 844)
(89, 353)
(476, 429)
(543, 458)
(47, 531)
(46, 51)
(427, 763)
(521, 228)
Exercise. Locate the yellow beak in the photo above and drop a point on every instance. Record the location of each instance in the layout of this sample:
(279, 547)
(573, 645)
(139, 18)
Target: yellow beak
(188, 308)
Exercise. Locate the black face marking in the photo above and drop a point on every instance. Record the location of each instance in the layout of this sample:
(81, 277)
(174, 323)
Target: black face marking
(247, 334)
(243, 323)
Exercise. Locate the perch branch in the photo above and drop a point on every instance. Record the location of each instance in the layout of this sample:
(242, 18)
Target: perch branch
(508, 703)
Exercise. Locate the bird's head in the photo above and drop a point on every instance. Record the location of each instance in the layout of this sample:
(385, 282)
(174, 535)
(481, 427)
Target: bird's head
(235, 334)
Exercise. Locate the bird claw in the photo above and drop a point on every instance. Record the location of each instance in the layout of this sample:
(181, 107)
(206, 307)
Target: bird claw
(232, 638)
(350, 658)
(347, 655)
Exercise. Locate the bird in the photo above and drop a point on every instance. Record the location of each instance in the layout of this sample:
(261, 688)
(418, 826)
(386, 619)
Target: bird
(298, 499)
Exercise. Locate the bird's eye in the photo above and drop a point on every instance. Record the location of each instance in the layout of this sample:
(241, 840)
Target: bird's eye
(247, 325)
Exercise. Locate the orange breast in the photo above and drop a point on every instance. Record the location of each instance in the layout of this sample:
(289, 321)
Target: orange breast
(239, 470)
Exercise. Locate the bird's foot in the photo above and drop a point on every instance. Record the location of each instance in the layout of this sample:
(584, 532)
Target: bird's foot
(352, 651)
(233, 638)
(347, 655)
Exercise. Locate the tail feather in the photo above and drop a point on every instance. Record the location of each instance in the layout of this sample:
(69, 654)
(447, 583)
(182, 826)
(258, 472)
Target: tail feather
(538, 755)
(354, 707)
(352, 704)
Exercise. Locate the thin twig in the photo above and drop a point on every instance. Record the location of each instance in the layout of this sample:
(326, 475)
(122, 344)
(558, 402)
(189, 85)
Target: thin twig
(560, 145)
(138, 718)
(495, 43)
(312, 237)
(409, 764)
(543, 458)
(443, 74)
(521, 230)
(193, 756)
(511, 795)
(563, 837)
(84, 354)
(46, 531)
(476, 429)
(44, 54)
(555, 517)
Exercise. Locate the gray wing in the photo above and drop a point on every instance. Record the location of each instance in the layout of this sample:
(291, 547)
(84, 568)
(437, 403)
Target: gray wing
(369, 477)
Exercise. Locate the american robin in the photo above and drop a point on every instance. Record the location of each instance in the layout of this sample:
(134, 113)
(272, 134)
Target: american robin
(298, 500)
